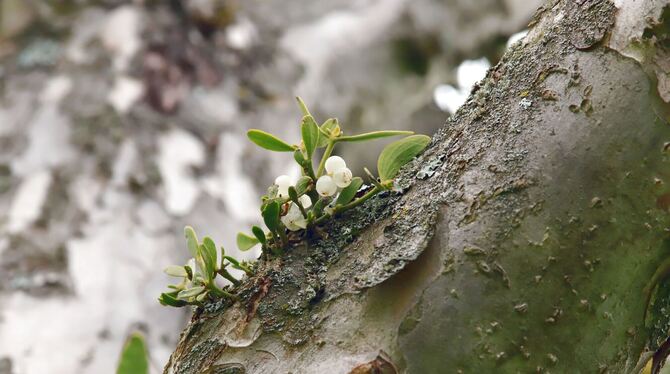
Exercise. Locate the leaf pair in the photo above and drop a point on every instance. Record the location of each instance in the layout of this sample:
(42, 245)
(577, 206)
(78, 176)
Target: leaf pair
(204, 254)
(315, 136)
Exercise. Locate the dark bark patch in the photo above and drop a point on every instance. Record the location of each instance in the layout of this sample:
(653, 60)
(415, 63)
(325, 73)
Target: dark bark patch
(663, 201)
(380, 365)
(252, 305)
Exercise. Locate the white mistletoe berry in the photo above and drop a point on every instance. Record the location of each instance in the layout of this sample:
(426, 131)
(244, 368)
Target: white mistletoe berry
(325, 186)
(305, 201)
(335, 163)
(342, 177)
(283, 182)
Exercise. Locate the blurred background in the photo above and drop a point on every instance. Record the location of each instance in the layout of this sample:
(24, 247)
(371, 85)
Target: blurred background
(123, 121)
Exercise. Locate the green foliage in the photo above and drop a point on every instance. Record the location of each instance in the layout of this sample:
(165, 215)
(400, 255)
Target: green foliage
(246, 242)
(271, 216)
(310, 135)
(259, 234)
(134, 356)
(349, 192)
(321, 194)
(191, 241)
(198, 275)
(269, 141)
(397, 154)
(329, 129)
(291, 209)
(373, 135)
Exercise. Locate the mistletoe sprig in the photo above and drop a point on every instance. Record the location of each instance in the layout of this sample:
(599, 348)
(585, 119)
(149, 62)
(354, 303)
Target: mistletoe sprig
(292, 206)
(198, 276)
(327, 190)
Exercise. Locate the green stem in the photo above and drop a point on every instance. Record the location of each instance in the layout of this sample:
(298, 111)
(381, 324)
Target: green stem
(224, 273)
(308, 168)
(282, 235)
(375, 190)
(219, 292)
(245, 269)
(326, 154)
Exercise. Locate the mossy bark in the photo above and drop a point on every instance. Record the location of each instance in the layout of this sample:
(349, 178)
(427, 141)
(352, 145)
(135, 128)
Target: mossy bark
(527, 238)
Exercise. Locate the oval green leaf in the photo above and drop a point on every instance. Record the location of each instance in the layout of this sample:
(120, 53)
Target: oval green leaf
(373, 135)
(268, 141)
(232, 260)
(259, 234)
(348, 193)
(246, 242)
(209, 249)
(203, 262)
(188, 293)
(303, 106)
(134, 356)
(271, 215)
(176, 271)
(310, 135)
(191, 241)
(167, 299)
(398, 153)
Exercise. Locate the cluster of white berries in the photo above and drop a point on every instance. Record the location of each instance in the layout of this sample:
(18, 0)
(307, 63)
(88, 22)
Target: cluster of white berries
(337, 176)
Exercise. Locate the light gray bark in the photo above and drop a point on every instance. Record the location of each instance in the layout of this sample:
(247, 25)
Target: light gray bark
(523, 240)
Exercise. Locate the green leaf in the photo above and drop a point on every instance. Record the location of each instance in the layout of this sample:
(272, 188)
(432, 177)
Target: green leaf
(303, 106)
(348, 193)
(398, 153)
(310, 135)
(259, 234)
(372, 135)
(302, 185)
(189, 272)
(246, 242)
(327, 129)
(209, 250)
(269, 141)
(167, 299)
(134, 356)
(271, 215)
(191, 241)
(189, 293)
(317, 208)
(176, 271)
(299, 157)
(203, 266)
(293, 194)
(232, 260)
(201, 297)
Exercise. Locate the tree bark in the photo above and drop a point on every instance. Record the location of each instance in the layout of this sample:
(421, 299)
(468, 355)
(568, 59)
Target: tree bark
(532, 235)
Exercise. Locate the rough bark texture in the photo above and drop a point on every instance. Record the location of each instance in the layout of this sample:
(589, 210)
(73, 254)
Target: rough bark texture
(121, 121)
(522, 240)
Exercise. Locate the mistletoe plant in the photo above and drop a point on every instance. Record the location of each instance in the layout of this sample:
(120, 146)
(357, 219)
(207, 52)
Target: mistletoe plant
(198, 276)
(328, 190)
(292, 207)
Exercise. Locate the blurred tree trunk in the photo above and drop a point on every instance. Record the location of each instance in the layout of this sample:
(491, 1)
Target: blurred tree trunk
(531, 235)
